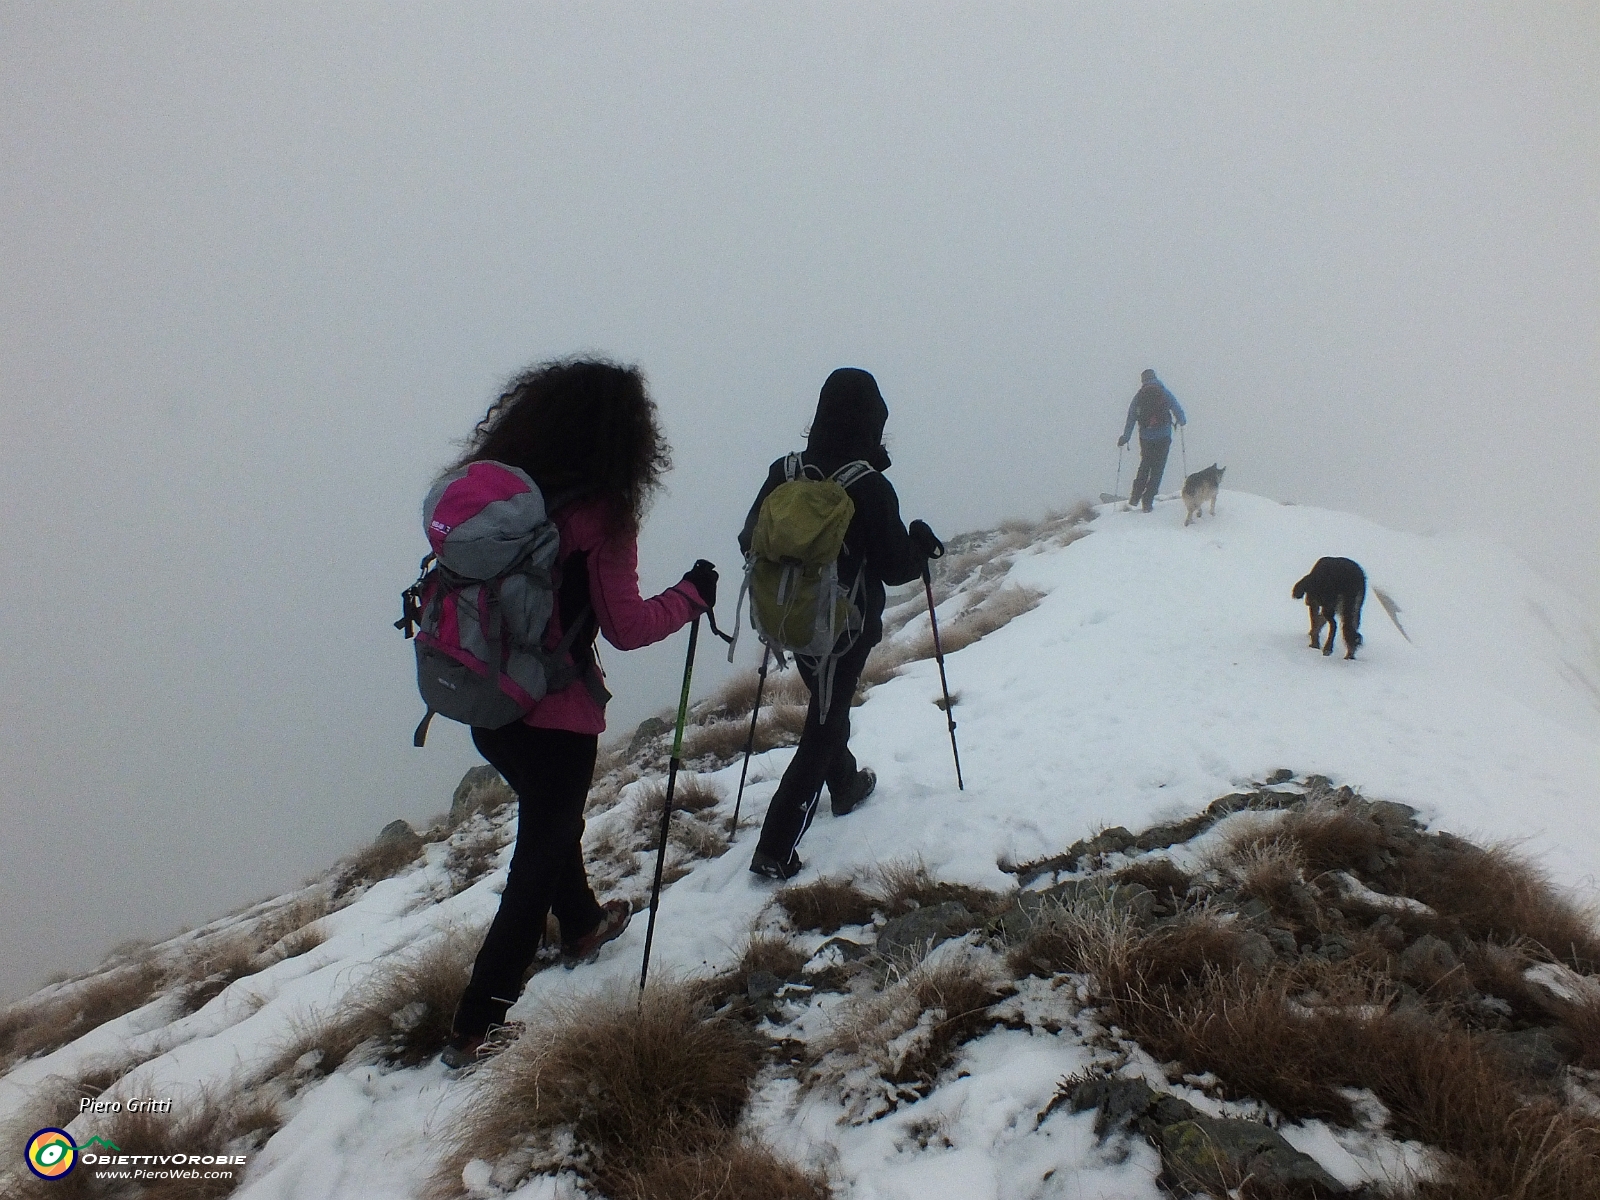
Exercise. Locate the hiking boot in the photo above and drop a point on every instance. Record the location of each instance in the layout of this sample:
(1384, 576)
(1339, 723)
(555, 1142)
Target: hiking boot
(862, 786)
(465, 1050)
(614, 918)
(461, 1051)
(767, 867)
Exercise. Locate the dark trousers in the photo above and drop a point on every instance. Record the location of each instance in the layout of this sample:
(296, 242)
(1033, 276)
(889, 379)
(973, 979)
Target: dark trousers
(550, 770)
(823, 756)
(1152, 463)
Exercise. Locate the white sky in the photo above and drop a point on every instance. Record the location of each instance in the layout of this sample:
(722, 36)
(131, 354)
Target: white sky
(261, 263)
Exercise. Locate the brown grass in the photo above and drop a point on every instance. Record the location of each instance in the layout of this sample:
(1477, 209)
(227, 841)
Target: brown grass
(40, 1026)
(219, 962)
(635, 1083)
(772, 953)
(905, 1034)
(979, 619)
(209, 1123)
(1164, 879)
(690, 794)
(906, 884)
(374, 863)
(826, 904)
(1498, 894)
(727, 1169)
(403, 1010)
(472, 855)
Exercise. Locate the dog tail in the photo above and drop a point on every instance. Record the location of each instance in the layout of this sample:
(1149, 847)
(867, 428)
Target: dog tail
(1300, 588)
(1393, 609)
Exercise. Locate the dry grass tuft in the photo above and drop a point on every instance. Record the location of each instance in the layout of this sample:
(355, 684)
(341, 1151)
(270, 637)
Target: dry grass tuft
(690, 794)
(774, 954)
(1334, 837)
(40, 1026)
(1086, 935)
(731, 1169)
(377, 862)
(472, 854)
(907, 884)
(1497, 894)
(221, 961)
(1164, 878)
(634, 1083)
(402, 1011)
(907, 1033)
(826, 904)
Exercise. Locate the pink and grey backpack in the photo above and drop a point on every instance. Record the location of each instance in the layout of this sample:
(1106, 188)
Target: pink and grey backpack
(483, 600)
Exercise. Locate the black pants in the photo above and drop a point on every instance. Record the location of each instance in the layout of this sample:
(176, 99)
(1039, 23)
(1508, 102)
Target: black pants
(1152, 464)
(550, 770)
(823, 756)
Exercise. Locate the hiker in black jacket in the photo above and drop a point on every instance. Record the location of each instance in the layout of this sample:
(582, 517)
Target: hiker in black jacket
(848, 427)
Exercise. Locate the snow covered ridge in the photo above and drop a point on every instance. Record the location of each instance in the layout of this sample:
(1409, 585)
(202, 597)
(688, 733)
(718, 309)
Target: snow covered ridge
(1126, 678)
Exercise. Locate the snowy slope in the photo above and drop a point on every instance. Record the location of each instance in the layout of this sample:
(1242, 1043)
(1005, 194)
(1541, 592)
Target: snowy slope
(1163, 667)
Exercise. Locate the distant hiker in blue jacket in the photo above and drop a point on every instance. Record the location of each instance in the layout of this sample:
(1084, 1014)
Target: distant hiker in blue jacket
(1154, 409)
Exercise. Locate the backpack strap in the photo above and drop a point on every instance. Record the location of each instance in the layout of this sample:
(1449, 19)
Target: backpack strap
(850, 472)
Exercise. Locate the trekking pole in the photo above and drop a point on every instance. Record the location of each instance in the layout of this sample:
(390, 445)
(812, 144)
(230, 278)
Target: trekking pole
(938, 653)
(1183, 444)
(750, 742)
(666, 807)
(1122, 451)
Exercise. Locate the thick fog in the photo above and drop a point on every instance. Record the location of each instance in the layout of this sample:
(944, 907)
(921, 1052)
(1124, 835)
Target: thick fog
(264, 265)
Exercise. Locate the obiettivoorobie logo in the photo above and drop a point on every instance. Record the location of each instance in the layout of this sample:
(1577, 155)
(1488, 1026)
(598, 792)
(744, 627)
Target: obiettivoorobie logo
(52, 1153)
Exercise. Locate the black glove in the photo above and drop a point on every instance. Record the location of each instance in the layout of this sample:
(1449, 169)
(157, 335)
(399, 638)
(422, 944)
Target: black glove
(923, 540)
(703, 576)
(1123, 440)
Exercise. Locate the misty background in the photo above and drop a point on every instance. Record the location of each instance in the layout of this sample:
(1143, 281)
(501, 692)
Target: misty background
(263, 265)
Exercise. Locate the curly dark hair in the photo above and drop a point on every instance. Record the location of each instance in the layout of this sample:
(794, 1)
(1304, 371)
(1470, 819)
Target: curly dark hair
(580, 425)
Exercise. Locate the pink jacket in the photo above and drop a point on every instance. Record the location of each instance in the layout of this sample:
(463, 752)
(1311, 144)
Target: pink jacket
(627, 620)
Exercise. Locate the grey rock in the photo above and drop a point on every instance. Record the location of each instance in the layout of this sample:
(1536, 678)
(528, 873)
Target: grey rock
(1428, 960)
(1256, 951)
(1532, 1052)
(1281, 775)
(1333, 948)
(849, 951)
(647, 731)
(1392, 815)
(1283, 940)
(398, 832)
(911, 937)
(1167, 1110)
(1131, 897)
(1116, 1101)
(1210, 1153)
(762, 985)
(468, 796)
(1255, 910)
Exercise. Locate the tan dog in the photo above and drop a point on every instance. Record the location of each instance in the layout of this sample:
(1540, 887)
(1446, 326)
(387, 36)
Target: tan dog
(1200, 487)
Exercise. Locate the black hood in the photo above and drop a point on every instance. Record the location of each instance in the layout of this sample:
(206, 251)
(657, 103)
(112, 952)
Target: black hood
(850, 418)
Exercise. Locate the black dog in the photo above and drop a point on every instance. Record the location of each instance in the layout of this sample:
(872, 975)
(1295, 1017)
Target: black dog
(1335, 589)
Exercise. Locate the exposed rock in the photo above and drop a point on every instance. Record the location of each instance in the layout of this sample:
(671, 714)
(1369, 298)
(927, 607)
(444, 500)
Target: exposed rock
(762, 985)
(1533, 1052)
(1281, 775)
(1256, 951)
(1206, 1152)
(921, 929)
(1428, 960)
(1283, 940)
(1393, 816)
(1116, 1101)
(648, 730)
(847, 950)
(468, 796)
(398, 833)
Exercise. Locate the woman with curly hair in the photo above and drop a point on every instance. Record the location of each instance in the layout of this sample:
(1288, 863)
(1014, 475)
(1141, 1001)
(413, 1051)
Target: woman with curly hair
(585, 431)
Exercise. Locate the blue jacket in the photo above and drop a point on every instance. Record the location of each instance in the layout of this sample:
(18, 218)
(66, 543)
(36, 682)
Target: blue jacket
(1161, 433)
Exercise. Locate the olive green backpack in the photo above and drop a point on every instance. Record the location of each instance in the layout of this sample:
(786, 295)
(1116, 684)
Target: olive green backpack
(791, 574)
